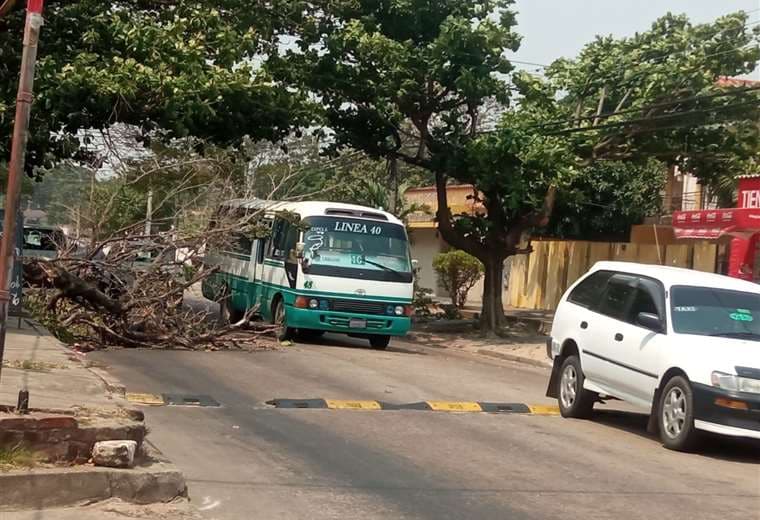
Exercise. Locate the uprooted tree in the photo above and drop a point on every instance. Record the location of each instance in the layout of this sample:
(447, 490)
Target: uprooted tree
(125, 283)
(438, 68)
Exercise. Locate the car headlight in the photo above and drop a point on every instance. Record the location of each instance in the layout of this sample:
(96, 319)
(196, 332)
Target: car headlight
(735, 383)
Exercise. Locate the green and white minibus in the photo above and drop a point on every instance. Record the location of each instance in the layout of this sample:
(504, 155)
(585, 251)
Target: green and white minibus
(341, 268)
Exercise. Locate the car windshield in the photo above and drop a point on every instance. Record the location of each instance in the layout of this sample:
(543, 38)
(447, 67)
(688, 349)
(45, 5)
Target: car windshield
(340, 245)
(41, 239)
(708, 311)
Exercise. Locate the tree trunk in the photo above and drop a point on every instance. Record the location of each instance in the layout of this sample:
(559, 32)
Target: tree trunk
(492, 316)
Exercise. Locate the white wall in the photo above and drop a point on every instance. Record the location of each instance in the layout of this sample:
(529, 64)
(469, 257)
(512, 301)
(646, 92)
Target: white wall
(425, 245)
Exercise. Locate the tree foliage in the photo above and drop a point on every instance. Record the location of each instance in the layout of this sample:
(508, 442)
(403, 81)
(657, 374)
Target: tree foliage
(457, 272)
(605, 199)
(171, 68)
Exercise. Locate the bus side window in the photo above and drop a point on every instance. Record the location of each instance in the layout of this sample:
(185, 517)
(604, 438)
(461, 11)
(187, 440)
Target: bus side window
(241, 244)
(276, 242)
(262, 244)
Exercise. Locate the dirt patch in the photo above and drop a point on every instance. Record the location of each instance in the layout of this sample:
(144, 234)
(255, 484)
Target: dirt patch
(517, 344)
(34, 366)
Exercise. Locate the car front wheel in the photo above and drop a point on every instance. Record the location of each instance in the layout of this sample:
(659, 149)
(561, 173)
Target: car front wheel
(675, 415)
(574, 400)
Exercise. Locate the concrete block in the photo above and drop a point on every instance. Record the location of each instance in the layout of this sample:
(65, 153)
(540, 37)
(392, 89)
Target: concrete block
(148, 487)
(114, 454)
(16, 422)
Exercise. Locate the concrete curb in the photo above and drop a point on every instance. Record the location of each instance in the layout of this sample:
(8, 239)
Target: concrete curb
(513, 357)
(113, 385)
(62, 487)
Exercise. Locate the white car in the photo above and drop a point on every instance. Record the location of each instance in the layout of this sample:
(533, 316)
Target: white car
(682, 344)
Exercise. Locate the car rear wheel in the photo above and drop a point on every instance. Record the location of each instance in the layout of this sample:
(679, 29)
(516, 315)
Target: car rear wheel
(574, 400)
(379, 342)
(675, 415)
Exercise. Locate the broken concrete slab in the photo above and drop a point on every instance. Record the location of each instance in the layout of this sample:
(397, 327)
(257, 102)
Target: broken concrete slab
(114, 454)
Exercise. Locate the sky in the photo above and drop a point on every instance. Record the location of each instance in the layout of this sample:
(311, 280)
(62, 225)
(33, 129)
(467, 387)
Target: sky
(556, 28)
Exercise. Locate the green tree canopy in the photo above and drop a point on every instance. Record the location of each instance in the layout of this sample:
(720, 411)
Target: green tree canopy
(171, 68)
(605, 199)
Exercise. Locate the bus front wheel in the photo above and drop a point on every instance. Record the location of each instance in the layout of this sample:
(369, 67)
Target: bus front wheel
(379, 342)
(286, 333)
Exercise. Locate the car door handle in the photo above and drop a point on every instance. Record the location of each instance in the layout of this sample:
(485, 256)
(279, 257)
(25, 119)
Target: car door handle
(584, 325)
(618, 337)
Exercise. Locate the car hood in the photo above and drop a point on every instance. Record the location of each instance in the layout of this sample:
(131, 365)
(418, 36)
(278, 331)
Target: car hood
(721, 354)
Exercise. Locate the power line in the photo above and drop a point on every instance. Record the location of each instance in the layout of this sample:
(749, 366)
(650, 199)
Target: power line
(648, 107)
(649, 119)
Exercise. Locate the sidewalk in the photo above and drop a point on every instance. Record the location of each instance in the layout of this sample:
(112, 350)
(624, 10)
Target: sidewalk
(524, 343)
(110, 510)
(72, 407)
(55, 377)
(541, 318)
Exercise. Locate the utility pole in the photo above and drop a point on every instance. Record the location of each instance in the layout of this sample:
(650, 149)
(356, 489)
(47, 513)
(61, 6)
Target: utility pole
(149, 213)
(8, 251)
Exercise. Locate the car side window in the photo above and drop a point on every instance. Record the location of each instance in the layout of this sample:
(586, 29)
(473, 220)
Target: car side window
(616, 301)
(642, 302)
(588, 292)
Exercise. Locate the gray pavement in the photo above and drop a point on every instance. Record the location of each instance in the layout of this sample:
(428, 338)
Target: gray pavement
(54, 376)
(245, 460)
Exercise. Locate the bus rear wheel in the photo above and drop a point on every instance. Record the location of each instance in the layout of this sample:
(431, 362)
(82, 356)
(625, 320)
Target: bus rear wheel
(229, 315)
(379, 342)
(278, 318)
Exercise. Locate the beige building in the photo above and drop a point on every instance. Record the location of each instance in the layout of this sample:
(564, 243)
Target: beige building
(426, 242)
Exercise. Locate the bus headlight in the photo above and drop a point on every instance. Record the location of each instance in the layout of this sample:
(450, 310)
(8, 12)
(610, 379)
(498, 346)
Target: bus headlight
(399, 310)
(313, 303)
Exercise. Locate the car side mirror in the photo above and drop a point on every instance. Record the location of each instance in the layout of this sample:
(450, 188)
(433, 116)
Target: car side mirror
(649, 321)
(300, 248)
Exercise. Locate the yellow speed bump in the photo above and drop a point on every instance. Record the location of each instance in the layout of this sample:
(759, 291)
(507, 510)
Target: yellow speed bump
(337, 404)
(146, 399)
(454, 406)
(540, 409)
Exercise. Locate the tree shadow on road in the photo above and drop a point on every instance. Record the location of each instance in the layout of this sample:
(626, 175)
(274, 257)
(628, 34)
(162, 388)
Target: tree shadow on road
(731, 449)
(332, 341)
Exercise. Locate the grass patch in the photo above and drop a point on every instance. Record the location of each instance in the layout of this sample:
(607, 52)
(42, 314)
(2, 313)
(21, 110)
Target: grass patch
(17, 457)
(28, 364)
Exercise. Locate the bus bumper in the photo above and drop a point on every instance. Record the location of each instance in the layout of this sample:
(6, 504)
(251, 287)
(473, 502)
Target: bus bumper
(348, 323)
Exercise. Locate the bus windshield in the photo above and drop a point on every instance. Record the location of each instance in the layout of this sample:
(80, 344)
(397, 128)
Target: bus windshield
(357, 248)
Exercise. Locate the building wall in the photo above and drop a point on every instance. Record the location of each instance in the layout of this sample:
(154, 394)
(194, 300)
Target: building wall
(425, 245)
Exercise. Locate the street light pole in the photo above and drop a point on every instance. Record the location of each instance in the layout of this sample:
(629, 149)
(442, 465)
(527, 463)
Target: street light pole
(8, 251)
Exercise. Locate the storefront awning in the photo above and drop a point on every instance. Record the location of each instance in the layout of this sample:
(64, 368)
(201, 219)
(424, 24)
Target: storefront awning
(712, 224)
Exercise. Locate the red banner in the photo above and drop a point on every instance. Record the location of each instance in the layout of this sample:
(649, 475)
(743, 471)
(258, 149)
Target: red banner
(749, 192)
(711, 224)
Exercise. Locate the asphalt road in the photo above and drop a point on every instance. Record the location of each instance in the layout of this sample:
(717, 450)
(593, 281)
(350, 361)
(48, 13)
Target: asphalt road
(245, 460)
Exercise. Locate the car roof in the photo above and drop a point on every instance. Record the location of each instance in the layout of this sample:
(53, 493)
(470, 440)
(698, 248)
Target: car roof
(671, 276)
